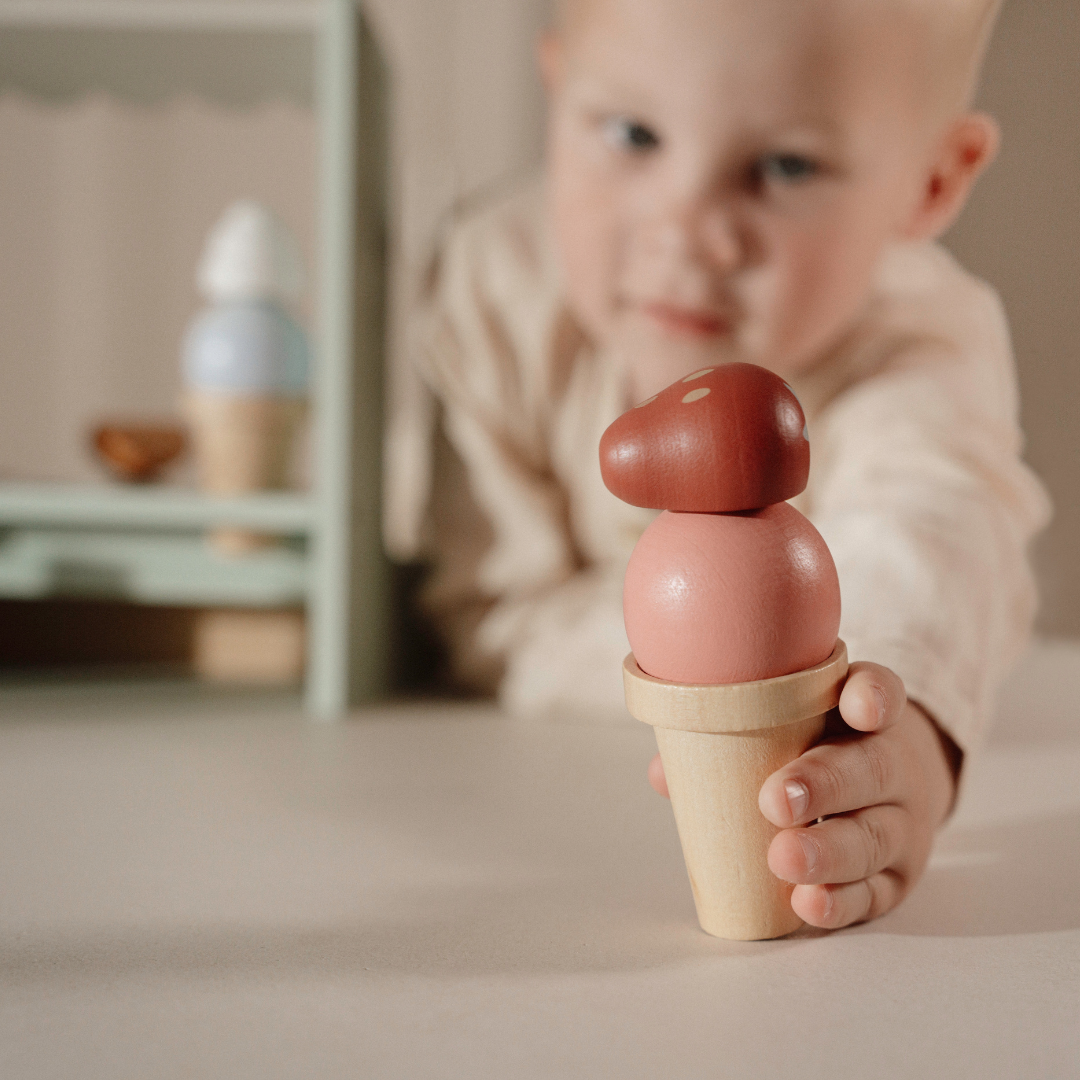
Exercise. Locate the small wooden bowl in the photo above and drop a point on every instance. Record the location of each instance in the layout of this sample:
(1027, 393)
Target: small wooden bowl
(138, 452)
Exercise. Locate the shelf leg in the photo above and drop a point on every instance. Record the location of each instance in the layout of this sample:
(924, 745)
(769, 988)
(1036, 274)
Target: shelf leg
(348, 652)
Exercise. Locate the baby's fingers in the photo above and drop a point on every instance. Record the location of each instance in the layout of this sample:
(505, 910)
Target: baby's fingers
(657, 778)
(873, 697)
(842, 849)
(834, 778)
(833, 906)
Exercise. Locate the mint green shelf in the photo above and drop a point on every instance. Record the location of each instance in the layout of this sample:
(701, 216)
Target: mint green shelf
(71, 505)
(147, 568)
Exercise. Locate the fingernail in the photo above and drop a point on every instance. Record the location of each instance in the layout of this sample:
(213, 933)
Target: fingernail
(828, 904)
(810, 851)
(879, 697)
(797, 798)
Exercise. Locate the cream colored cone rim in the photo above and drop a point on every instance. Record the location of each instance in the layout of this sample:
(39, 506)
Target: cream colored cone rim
(728, 707)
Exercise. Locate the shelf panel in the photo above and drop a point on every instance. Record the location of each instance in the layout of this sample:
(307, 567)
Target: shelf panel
(149, 569)
(164, 14)
(147, 65)
(85, 506)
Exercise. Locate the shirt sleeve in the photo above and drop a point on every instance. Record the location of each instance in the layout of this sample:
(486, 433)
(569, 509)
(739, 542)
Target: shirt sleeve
(547, 635)
(928, 510)
(522, 607)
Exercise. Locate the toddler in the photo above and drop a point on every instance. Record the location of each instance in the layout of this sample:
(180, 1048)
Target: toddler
(762, 181)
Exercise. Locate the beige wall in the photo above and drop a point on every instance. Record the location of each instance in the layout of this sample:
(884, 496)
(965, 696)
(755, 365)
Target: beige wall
(468, 108)
(468, 116)
(1022, 233)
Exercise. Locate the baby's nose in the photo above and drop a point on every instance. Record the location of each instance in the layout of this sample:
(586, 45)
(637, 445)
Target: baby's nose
(721, 238)
(700, 233)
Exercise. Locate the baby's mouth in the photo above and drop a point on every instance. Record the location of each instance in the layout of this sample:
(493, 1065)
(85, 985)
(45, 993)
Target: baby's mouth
(686, 322)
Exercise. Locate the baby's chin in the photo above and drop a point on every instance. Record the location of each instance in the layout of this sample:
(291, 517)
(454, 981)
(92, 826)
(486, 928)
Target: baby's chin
(662, 350)
(657, 352)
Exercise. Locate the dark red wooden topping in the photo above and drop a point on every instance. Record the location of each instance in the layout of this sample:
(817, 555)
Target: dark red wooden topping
(726, 438)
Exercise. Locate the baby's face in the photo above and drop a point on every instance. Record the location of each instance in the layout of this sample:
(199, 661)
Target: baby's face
(724, 174)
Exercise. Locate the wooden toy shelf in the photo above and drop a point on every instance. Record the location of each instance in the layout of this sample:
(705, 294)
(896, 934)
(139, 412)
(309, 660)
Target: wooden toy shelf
(148, 544)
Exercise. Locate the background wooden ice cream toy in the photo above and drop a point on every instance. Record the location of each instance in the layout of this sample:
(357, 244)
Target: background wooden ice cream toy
(245, 361)
(732, 608)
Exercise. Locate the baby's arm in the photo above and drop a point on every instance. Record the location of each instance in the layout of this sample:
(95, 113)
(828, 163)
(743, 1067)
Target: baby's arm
(927, 508)
(527, 573)
(509, 590)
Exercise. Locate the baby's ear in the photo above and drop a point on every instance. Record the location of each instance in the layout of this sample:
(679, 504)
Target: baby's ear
(549, 58)
(968, 146)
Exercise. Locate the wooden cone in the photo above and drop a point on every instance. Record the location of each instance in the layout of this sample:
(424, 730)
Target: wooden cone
(718, 744)
(242, 444)
(249, 647)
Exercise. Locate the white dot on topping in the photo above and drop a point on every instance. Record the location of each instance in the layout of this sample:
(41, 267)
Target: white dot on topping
(647, 401)
(696, 395)
(698, 374)
(805, 433)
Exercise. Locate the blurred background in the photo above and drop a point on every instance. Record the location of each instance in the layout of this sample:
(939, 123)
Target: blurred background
(128, 126)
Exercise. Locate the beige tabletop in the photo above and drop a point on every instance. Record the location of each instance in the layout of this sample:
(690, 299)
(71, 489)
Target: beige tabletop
(195, 887)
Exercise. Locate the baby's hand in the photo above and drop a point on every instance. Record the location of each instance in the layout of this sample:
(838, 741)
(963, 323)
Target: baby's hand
(884, 782)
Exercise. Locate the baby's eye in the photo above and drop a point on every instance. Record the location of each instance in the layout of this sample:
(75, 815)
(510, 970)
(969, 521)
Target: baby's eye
(786, 168)
(626, 134)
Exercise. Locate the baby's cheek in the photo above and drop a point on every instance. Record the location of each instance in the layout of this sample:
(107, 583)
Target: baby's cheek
(796, 318)
(821, 288)
(586, 252)
(759, 300)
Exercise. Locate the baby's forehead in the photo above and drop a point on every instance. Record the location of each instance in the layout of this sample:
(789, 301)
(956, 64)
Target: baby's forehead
(928, 21)
(716, 46)
(919, 48)
(931, 14)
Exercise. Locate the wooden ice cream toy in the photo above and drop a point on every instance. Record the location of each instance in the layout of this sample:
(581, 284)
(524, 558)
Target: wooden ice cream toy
(245, 362)
(732, 608)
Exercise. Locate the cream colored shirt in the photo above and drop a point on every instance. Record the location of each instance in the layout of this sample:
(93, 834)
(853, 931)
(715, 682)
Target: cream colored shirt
(916, 481)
